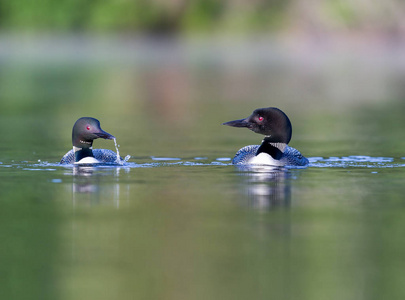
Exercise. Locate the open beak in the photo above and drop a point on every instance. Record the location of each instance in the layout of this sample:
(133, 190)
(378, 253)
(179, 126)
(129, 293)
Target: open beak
(239, 123)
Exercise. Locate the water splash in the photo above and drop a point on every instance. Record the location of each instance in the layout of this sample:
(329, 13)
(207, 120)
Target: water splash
(119, 161)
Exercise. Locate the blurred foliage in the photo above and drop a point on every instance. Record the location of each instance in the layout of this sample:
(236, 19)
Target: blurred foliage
(150, 16)
(157, 16)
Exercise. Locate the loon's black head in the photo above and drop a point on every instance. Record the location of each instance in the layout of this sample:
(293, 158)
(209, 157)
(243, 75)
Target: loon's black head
(86, 130)
(270, 121)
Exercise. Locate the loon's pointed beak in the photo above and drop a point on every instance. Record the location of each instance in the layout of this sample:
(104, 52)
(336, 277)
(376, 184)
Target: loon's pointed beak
(104, 135)
(239, 123)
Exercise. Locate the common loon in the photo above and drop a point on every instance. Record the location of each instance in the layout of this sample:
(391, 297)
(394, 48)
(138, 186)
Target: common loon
(84, 132)
(274, 150)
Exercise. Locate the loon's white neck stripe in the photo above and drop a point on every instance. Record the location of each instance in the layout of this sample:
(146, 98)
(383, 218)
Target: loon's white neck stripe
(280, 146)
(75, 149)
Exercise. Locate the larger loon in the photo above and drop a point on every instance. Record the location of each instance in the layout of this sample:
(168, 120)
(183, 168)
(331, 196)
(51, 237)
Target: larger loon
(274, 150)
(84, 132)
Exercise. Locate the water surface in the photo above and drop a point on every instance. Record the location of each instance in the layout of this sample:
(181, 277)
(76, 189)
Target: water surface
(178, 221)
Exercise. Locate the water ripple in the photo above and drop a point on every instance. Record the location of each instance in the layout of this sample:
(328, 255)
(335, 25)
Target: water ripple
(354, 161)
(150, 162)
(360, 161)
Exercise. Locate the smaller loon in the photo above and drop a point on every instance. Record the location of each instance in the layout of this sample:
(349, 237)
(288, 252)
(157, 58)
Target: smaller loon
(84, 132)
(274, 150)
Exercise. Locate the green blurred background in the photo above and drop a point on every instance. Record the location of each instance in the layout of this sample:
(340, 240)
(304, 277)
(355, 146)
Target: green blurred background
(181, 16)
(167, 59)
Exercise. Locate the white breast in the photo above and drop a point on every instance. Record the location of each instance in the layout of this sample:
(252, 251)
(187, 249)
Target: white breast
(265, 159)
(87, 160)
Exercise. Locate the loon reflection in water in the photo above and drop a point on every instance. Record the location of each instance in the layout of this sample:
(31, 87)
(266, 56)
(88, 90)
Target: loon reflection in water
(266, 187)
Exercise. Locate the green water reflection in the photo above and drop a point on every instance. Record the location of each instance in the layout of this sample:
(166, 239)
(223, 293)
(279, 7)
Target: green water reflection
(177, 231)
(202, 232)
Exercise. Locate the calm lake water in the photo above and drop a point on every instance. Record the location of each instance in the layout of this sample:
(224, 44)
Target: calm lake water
(178, 221)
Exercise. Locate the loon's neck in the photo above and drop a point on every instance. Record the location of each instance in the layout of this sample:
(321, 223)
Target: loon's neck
(81, 153)
(275, 150)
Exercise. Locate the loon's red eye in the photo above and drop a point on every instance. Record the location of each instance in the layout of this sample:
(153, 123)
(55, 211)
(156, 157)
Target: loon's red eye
(88, 127)
(261, 118)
